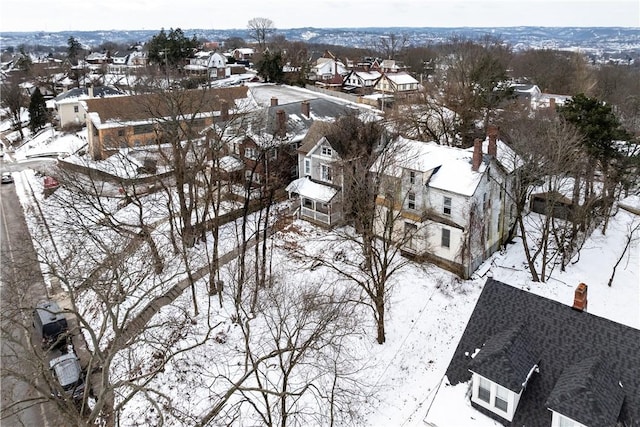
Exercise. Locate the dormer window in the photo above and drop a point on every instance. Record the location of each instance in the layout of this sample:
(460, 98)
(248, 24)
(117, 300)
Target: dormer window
(327, 151)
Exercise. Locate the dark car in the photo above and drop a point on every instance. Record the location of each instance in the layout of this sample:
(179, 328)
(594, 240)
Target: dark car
(7, 178)
(50, 325)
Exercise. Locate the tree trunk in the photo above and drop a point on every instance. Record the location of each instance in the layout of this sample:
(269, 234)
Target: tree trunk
(380, 319)
(527, 253)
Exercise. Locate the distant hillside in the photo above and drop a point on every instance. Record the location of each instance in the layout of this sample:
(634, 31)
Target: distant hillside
(591, 39)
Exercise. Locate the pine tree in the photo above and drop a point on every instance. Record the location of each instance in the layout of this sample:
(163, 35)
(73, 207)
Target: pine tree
(74, 48)
(37, 111)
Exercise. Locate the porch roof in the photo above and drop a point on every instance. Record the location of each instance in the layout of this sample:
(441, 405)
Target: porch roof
(312, 190)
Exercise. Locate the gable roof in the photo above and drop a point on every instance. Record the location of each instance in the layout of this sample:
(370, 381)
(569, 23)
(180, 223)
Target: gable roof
(588, 392)
(451, 166)
(264, 123)
(317, 131)
(507, 358)
(564, 337)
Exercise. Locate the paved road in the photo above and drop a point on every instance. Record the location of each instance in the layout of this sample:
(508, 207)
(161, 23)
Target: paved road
(21, 286)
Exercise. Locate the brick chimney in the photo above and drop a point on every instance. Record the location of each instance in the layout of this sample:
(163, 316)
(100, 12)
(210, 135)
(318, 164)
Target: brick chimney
(274, 101)
(224, 110)
(492, 133)
(552, 104)
(580, 298)
(306, 108)
(281, 123)
(477, 155)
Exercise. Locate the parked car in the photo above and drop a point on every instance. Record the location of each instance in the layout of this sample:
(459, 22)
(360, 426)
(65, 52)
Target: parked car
(7, 178)
(69, 376)
(50, 325)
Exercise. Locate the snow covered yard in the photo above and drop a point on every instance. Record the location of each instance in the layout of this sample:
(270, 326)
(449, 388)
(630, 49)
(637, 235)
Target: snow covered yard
(393, 384)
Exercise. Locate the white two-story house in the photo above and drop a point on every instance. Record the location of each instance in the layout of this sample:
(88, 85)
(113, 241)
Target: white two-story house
(448, 205)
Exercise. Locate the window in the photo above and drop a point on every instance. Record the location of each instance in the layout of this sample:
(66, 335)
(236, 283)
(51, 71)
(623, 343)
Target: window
(251, 153)
(326, 151)
(75, 108)
(273, 154)
(411, 200)
(120, 132)
(137, 130)
(307, 167)
(484, 386)
(564, 421)
(447, 206)
(412, 177)
(307, 203)
(445, 241)
(502, 398)
(326, 173)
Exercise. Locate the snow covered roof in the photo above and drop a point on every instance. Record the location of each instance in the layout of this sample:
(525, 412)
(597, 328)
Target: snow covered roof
(401, 78)
(368, 75)
(312, 190)
(451, 166)
(230, 164)
(505, 155)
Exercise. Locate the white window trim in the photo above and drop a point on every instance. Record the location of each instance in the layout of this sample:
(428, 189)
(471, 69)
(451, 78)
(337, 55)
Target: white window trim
(512, 400)
(557, 418)
(307, 167)
(411, 200)
(326, 173)
(447, 206)
(442, 232)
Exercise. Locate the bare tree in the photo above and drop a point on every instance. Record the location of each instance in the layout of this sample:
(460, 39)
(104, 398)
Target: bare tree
(14, 99)
(631, 239)
(552, 157)
(377, 236)
(469, 80)
(107, 283)
(260, 29)
(427, 118)
(390, 45)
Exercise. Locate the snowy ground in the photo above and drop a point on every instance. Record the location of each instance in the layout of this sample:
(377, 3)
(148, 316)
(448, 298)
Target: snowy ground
(427, 314)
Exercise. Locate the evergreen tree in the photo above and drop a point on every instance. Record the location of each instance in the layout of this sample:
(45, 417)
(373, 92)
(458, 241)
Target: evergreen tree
(171, 50)
(269, 67)
(37, 111)
(74, 48)
(598, 123)
(606, 143)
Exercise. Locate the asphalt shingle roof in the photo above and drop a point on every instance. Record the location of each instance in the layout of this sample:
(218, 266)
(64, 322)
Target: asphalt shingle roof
(588, 392)
(507, 358)
(565, 338)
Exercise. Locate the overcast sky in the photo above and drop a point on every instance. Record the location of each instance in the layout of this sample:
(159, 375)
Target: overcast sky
(70, 15)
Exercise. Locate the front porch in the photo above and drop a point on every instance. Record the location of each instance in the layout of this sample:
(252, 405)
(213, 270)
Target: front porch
(318, 203)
